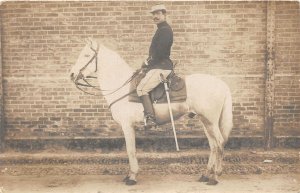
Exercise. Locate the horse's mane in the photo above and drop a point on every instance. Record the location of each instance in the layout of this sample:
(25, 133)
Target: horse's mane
(108, 43)
(110, 48)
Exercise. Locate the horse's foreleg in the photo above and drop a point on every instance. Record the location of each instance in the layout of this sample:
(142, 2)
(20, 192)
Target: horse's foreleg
(129, 134)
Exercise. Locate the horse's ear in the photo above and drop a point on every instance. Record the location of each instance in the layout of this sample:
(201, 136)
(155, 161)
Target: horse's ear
(86, 41)
(89, 41)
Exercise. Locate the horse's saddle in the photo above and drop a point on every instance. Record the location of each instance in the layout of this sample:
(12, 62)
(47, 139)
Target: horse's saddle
(177, 90)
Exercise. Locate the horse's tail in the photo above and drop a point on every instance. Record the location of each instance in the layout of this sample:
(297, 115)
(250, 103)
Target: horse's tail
(225, 122)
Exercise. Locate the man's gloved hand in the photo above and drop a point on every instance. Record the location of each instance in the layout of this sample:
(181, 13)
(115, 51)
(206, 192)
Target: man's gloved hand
(145, 64)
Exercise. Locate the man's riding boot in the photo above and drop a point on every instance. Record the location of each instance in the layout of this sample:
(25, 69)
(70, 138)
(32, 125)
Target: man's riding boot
(148, 111)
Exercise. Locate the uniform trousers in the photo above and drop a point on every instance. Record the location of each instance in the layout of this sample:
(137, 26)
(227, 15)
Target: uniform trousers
(150, 81)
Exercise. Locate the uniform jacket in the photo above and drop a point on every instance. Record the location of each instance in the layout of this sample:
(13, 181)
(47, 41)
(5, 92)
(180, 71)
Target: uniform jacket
(160, 48)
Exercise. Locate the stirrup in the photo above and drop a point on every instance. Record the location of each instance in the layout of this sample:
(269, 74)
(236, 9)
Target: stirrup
(149, 122)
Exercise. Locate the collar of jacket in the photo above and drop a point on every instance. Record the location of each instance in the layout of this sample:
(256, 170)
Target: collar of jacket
(164, 23)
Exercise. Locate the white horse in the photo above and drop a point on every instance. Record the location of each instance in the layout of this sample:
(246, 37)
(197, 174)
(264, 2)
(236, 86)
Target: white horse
(207, 97)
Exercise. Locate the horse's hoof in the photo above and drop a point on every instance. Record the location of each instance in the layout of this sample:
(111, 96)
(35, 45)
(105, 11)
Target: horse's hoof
(203, 179)
(191, 115)
(212, 182)
(130, 182)
(126, 179)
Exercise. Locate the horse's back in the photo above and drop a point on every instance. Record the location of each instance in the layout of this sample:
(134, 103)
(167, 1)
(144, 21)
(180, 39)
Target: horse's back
(206, 94)
(205, 82)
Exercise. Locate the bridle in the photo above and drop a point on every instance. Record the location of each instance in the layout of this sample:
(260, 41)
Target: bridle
(80, 75)
(91, 60)
(87, 84)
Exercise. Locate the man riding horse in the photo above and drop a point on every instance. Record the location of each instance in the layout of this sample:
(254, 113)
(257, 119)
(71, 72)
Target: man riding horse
(157, 63)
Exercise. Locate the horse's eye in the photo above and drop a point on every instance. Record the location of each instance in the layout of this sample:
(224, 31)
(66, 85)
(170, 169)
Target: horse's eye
(87, 55)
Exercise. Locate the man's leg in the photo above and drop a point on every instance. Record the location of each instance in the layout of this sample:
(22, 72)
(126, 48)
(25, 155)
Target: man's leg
(148, 111)
(149, 82)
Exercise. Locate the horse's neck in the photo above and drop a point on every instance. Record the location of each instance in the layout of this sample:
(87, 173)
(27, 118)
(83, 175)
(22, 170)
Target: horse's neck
(113, 73)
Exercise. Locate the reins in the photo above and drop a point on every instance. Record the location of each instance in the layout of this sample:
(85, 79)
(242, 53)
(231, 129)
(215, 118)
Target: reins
(112, 91)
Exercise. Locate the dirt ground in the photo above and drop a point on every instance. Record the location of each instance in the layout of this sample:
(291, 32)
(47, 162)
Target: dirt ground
(264, 183)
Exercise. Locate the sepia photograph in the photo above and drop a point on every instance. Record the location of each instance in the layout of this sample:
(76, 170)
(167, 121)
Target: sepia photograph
(147, 96)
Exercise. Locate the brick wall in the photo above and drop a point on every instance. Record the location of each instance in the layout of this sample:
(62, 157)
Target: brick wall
(287, 79)
(2, 132)
(41, 41)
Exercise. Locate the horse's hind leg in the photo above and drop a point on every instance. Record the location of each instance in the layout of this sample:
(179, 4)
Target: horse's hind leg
(209, 170)
(216, 143)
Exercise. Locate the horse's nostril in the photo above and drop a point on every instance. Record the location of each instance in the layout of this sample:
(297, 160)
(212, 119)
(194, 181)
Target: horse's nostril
(72, 76)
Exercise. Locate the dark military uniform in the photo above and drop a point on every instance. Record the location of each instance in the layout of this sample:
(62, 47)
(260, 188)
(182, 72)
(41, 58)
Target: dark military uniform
(160, 49)
(159, 58)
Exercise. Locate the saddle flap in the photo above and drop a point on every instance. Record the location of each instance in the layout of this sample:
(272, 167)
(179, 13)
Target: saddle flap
(177, 90)
(176, 83)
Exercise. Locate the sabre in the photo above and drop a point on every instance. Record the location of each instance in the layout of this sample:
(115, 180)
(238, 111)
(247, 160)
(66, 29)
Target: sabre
(170, 109)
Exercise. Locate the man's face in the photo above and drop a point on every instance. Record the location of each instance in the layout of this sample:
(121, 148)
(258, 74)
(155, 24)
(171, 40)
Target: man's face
(158, 17)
